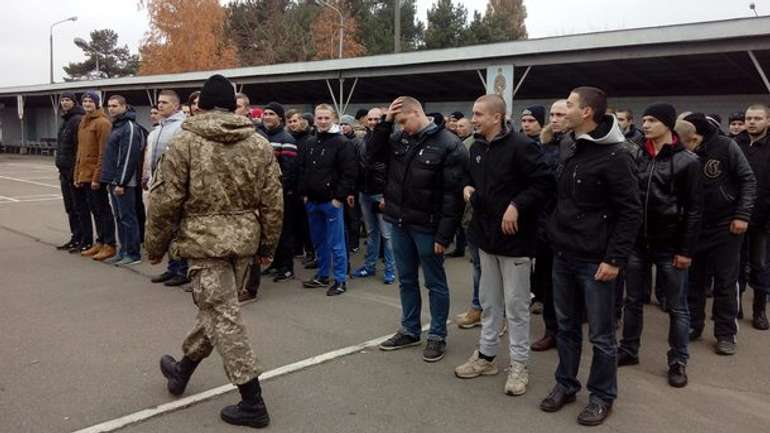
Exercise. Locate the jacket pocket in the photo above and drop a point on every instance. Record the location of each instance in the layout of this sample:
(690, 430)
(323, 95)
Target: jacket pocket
(588, 190)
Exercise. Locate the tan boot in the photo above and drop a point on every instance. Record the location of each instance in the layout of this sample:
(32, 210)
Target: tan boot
(105, 253)
(471, 319)
(94, 250)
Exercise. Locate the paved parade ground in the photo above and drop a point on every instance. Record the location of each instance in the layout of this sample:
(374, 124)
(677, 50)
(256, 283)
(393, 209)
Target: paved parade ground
(80, 343)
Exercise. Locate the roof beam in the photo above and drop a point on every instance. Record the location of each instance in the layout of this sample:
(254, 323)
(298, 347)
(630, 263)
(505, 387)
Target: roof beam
(760, 70)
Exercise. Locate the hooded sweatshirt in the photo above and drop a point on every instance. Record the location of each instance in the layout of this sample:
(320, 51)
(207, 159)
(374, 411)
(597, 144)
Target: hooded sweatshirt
(598, 211)
(219, 185)
(158, 141)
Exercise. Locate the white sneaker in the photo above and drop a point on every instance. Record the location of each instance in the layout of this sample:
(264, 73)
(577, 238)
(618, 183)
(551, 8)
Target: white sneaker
(476, 367)
(518, 378)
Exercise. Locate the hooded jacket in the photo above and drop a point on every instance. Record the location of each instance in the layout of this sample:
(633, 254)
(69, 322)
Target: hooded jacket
(124, 151)
(509, 170)
(598, 212)
(158, 141)
(216, 193)
(426, 173)
(672, 199)
(635, 135)
(329, 167)
(93, 133)
(758, 155)
(67, 138)
(285, 151)
(729, 185)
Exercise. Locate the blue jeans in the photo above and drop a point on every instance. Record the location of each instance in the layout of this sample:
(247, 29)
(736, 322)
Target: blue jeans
(673, 285)
(327, 229)
(414, 249)
(376, 228)
(575, 290)
(476, 273)
(128, 225)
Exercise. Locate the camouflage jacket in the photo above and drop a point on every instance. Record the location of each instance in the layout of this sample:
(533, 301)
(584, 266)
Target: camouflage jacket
(219, 185)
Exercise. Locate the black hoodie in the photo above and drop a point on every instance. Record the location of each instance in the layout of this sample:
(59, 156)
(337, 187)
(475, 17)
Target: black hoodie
(598, 212)
(67, 138)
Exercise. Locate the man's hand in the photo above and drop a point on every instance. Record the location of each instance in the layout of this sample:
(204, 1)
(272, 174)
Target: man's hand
(395, 109)
(438, 249)
(304, 200)
(351, 201)
(468, 192)
(336, 203)
(155, 260)
(95, 185)
(606, 272)
(738, 227)
(120, 191)
(510, 223)
(265, 261)
(682, 262)
(382, 204)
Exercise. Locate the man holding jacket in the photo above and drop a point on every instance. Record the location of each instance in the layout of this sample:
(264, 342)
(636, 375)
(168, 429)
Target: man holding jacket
(424, 203)
(120, 174)
(509, 181)
(592, 230)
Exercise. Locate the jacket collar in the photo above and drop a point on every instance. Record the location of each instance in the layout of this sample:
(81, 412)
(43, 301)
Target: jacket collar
(608, 132)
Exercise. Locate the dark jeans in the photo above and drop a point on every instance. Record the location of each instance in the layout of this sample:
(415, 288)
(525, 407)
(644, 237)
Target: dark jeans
(461, 240)
(141, 213)
(284, 253)
(476, 274)
(99, 206)
(753, 267)
(414, 249)
(74, 214)
(575, 290)
(80, 200)
(541, 281)
(353, 225)
(128, 226)
(673, 284)
(721, 258)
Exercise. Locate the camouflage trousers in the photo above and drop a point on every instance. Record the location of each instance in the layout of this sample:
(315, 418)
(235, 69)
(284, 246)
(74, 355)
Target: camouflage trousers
(215, 284)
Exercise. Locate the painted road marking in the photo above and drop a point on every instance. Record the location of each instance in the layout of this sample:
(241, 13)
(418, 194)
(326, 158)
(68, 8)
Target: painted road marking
(31, 182)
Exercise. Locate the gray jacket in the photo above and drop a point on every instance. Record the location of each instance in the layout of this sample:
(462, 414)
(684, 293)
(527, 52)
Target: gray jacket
(158, 141)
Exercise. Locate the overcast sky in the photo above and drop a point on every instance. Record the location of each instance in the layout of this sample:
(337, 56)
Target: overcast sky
(24, 24)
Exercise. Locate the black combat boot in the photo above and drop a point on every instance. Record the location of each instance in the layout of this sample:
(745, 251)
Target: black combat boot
(760, 315)
(177, 373)
(251, 411)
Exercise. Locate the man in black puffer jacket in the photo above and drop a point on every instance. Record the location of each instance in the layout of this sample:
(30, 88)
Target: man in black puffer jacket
(423, 202)
(672, 207)
(729, 190)
(74, 199)
(327, 181)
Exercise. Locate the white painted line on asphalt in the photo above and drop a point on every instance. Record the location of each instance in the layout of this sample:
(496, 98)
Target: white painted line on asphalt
(34, 196)
(32, 200)
(145, 414)
(31, 182)
(8, 199)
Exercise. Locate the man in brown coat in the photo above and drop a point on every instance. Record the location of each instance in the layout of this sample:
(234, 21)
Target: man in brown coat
(93, 132)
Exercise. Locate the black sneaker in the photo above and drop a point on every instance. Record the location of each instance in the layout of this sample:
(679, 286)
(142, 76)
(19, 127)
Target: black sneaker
(284, 276)
(725, 346)
(594, 414)
(625, 359)
(695, 334)
(556, 400)
(162, 278)
(399, 341)
(434, 351)
(316, 282)
(176, 280)
(270, 271)
(677, 375)
(75, 248)
(311, 264)
(336, 289)
(66, 246)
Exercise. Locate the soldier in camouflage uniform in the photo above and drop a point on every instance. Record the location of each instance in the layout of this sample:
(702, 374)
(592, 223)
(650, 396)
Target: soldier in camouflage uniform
(219, 184)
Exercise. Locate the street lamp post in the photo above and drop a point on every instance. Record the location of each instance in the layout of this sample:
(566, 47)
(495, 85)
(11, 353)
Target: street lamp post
(342, 20)
(81, 43)
(50, 43)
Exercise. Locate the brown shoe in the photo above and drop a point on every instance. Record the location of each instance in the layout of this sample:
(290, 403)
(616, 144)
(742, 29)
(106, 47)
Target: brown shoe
(105, 253)
(246, 296)
(471, 319)
(543, 344)
(94, 250)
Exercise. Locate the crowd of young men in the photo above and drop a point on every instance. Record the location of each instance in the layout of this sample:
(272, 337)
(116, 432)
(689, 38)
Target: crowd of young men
(577, 211)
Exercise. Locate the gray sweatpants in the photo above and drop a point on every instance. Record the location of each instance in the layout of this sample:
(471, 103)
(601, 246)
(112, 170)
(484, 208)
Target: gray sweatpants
(504, 294)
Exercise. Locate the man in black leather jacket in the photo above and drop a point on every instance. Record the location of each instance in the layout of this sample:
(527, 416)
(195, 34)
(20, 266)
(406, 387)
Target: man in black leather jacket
(424, 203)
(729, 190)
(671, 196)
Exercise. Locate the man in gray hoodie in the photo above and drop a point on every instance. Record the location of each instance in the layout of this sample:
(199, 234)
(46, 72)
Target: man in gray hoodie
(171, 118)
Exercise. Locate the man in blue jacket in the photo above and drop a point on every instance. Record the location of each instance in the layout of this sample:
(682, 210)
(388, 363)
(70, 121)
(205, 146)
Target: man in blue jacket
(120, 172)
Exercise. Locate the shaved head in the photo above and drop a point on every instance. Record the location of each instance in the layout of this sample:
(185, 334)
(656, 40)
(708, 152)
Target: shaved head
(410, 104)
(494, 103)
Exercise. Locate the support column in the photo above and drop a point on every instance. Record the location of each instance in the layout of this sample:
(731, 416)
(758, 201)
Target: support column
(760, 70)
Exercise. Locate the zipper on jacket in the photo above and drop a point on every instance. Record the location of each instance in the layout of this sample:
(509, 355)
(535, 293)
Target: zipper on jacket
(647, 197)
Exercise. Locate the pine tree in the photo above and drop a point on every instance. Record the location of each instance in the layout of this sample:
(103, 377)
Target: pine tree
(114, 61)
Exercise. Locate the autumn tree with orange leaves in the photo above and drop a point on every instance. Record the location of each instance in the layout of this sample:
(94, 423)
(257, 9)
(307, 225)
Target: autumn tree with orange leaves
(326, 33)
(185, 35)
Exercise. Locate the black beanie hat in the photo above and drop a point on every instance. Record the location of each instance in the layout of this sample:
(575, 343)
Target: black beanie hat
(361, 113)
(217, 92)
(310, 118)
(70, 96)
(457, 115)
(92, 95)
(665, 113)
(536, 111)
(738, 115)
(702, 125)
(277, 108)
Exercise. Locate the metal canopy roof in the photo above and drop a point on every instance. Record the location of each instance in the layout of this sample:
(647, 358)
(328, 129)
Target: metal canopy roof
(691, 59)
